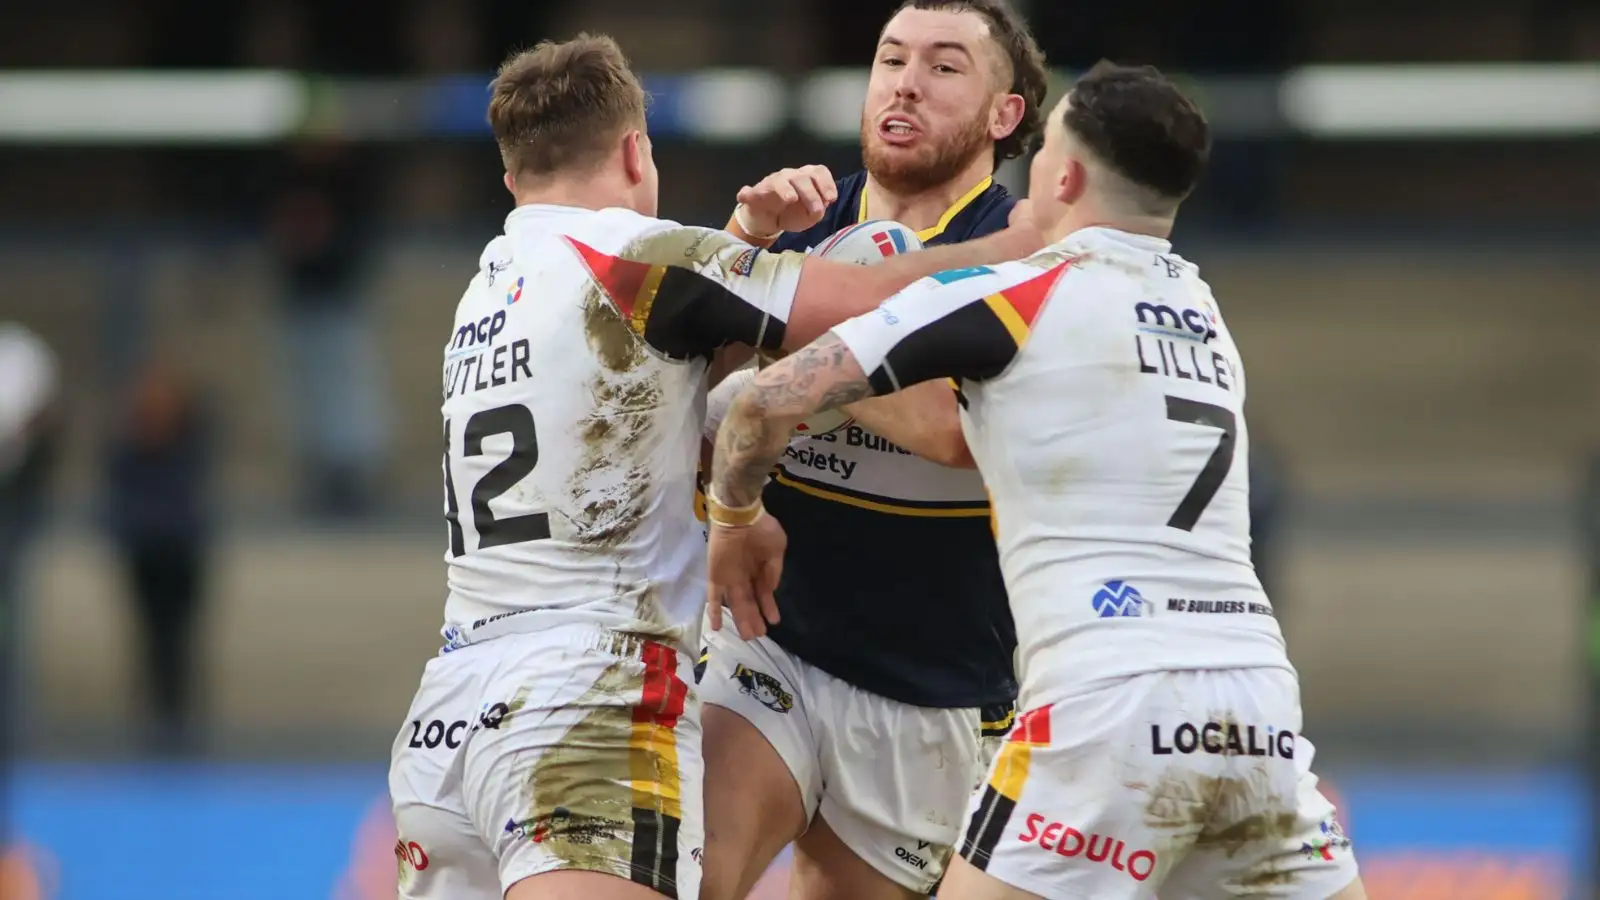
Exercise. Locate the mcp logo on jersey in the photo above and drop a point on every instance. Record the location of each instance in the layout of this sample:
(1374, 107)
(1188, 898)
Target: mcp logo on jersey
(1193, 324)
(1118, 599)
(482, 331)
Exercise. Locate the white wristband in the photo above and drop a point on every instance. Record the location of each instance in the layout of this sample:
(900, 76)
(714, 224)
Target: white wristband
(741, 216)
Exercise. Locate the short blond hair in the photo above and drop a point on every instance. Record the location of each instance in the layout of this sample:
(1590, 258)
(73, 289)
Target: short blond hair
(560, 106)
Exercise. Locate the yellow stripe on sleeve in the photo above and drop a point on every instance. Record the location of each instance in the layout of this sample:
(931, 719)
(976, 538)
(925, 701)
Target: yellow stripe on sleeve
(1007, 314)
(646, 298)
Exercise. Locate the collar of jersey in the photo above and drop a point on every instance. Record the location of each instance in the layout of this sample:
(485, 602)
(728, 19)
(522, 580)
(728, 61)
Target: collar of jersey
(534, 211)
(928, 234)
(1104, 234)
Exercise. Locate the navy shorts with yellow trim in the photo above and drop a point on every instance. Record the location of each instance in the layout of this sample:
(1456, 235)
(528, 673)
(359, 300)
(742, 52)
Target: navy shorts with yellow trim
(575, 748)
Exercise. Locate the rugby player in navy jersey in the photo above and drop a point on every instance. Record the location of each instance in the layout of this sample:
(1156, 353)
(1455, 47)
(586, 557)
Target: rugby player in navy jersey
(856, 726)
(1160, 750)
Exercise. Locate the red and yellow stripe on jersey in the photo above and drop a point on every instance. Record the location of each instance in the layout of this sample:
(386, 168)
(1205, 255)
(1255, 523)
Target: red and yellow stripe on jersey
(1018, 307)
(631, 286)
(687, 302)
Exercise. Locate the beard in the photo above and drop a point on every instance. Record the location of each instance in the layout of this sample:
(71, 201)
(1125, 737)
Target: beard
(930, 166)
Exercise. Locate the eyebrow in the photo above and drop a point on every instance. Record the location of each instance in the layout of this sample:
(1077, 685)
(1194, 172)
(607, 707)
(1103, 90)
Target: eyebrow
(936, 45)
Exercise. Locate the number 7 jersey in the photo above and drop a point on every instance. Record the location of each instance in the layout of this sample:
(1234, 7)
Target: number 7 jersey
(574, 389)
(1103, 401)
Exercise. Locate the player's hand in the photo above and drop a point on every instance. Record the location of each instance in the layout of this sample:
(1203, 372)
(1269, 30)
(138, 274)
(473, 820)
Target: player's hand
(788, 199)
(1022, 236)
(1021, 214)
(745, 564)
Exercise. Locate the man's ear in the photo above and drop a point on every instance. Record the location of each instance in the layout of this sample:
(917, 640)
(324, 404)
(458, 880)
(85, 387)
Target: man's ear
(1006, 115)
(633, 156)
(1073, 181)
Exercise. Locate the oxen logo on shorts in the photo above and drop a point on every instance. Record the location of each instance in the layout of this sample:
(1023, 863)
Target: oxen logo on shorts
(1118, 599)
(763, 687)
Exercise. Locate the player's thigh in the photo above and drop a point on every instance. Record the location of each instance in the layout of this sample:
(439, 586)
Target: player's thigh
(963, 881)
(438, 851)
(1066, 808)
(569, 884)
(826, 868)
(1269, 833)
(753, 809)
(759, 742)
(591, 765)
(898, 779)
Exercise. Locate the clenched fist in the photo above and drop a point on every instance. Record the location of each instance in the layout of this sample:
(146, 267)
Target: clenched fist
(787, 200)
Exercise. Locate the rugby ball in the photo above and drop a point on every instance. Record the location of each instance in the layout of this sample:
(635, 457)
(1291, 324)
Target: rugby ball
(863, 244)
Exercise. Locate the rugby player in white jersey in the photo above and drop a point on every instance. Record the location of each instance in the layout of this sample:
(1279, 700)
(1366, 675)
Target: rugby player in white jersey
(552, 750)
(857, 726)
(1159, 749)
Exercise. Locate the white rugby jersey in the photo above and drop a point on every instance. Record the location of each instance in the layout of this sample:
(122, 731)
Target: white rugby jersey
(1104, 406)
(574, 388)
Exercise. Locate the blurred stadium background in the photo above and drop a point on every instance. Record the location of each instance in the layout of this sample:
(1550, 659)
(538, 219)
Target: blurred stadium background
(244, 227)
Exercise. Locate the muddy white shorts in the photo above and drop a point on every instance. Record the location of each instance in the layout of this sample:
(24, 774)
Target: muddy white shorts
(891, 779)
(1193, 784)
(571, 748)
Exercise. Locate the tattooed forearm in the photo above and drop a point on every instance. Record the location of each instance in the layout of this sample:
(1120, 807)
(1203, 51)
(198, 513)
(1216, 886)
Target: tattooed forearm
(820, 376)
(747, 446)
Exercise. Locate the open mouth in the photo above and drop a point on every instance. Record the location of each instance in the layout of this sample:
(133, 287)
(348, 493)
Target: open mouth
(898, 129)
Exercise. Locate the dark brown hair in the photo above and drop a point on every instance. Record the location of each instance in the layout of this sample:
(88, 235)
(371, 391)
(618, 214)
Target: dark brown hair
(559, 106)
(1029, 77)
(1137, 122)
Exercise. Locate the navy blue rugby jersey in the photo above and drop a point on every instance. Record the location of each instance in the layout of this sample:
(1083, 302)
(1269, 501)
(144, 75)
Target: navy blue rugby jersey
(892, 580)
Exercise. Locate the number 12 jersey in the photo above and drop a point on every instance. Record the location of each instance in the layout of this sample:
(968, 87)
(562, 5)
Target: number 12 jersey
(574, 389)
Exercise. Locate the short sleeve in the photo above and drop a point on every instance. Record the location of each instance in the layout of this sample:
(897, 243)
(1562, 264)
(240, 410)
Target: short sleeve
(689, 290)
(963, 324)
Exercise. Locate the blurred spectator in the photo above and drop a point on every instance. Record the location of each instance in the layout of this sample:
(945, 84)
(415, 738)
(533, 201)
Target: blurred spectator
(1589, 524)
(1589, 510)
(29, 428)
(1267, 495)
(160, 520)
(320, 229)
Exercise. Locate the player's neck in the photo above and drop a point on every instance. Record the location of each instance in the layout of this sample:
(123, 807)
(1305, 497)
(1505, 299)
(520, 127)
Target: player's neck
(923, 210)
(589, 193)
(1077, 219)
